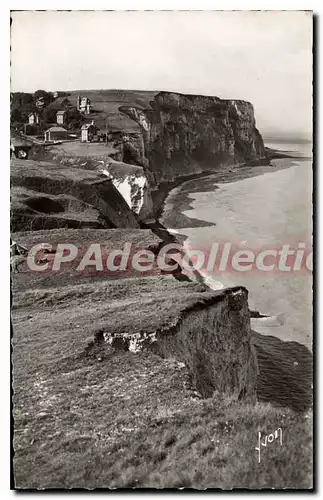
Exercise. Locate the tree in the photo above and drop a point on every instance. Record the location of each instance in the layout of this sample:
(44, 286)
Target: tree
(74, 118)
(50, 115)
(60, 93)
(47, 97)
(21, 105)
(32, 129)
(19, 99)
(16, 116)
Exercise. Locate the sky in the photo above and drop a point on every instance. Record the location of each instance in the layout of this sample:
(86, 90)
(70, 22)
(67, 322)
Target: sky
(262, 57)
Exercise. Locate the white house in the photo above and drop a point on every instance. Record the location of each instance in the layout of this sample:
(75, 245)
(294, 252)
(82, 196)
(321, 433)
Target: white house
(33, 118)
(61, 117)
(88, 131)
(56, 134)
(83, 104)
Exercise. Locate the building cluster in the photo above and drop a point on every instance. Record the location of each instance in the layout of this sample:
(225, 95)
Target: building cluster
(89, 131)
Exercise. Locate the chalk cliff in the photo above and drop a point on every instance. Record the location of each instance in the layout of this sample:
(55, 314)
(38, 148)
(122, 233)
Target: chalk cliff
(187, 134)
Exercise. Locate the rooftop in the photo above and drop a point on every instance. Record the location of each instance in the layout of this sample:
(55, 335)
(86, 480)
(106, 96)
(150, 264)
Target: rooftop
(87, 125)
(57, 129)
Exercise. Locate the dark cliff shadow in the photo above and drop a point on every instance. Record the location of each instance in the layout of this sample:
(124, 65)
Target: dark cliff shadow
(285, 372)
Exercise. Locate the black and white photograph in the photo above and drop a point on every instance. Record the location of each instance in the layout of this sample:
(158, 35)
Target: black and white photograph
(161, 249)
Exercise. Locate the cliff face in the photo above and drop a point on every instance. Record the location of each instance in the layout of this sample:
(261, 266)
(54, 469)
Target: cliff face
(248, 143)
(186, 134)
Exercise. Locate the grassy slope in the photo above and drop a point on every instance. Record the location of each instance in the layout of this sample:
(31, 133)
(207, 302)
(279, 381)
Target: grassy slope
(128, 420)
(82, 238)
(106, 103)
(87, 415)
(81, 152)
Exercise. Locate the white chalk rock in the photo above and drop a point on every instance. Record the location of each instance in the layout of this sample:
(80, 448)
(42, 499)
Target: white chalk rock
(131, 186)
(213, 284)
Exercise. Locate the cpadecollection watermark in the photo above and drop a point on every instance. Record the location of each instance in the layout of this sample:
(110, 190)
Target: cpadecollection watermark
(219, 258)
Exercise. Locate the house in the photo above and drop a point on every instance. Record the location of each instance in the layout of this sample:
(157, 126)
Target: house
(88, 131)
(83, 104)
(33, 118)
(61, 117)
(55, 111)
(55, 134)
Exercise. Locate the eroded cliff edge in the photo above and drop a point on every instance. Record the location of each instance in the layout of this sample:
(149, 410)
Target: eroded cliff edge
(208, 331)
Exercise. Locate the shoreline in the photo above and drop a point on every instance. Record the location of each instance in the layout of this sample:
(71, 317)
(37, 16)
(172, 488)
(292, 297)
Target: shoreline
(178, 200)
(160, 195)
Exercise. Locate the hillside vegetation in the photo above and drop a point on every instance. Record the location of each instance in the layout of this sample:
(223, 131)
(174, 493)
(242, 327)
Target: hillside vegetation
(131, 421)
(105, 107)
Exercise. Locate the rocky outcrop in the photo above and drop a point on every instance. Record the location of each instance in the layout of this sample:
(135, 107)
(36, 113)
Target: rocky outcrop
(210, 334)
(187, 134)
(132, 149)
(248, 143)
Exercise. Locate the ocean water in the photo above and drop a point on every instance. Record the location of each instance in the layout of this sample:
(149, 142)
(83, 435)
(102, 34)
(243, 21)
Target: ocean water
(298, 149)
(266, 211)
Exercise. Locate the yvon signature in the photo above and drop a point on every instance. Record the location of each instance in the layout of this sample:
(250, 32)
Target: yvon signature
(265, 439)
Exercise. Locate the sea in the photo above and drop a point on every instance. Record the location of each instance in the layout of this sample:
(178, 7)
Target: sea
(263, 212)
